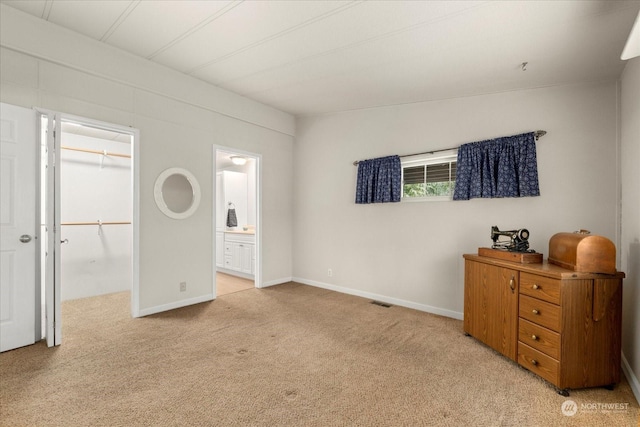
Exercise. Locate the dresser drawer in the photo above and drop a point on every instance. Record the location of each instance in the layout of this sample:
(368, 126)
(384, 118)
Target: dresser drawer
(540, 287)
(539, 363)
(540, 312)
(542, 339)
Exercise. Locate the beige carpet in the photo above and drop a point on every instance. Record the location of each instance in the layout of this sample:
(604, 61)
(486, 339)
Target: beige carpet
(289, 355)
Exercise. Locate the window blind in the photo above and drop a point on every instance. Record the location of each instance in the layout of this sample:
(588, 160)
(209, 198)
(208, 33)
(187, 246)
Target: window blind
(438, 172)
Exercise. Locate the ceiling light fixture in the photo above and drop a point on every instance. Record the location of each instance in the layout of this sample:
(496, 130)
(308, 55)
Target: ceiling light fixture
(238, 160)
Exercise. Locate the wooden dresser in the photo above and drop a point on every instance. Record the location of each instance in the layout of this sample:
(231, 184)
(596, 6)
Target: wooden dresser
(564, 326)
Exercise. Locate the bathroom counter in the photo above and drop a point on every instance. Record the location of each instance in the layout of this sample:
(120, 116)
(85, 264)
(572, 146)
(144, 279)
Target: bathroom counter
(251, 232)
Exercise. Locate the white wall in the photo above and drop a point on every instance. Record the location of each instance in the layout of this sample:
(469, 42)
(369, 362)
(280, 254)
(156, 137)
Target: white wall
(179, 119)
(95, 260)
(630, 242)
(411, 253)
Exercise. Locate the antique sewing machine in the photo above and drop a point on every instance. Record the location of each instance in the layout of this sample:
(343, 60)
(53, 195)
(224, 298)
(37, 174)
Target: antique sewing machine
(510, 240)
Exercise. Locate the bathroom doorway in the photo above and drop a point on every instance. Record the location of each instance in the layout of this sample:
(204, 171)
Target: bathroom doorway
(236, 220)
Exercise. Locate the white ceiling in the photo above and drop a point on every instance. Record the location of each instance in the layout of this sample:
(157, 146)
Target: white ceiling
(314, 57)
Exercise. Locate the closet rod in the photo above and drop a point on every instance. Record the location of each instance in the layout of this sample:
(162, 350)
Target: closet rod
(538, 134)
(96, 223)
(105, 153)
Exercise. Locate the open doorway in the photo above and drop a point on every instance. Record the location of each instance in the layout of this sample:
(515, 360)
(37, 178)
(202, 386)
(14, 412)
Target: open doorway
(91, 204)
(236, 220)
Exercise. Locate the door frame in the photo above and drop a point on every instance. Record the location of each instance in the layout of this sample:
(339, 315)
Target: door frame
(53, 323)
(258, 163)
(53, 300)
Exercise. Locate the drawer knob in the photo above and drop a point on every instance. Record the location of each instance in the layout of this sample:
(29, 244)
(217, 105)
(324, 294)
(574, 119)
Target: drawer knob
(535, 286)
(512, 284)
(534, 337)
(534, 311)
(534, 362)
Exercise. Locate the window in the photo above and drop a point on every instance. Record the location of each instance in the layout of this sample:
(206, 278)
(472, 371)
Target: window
(430, 177)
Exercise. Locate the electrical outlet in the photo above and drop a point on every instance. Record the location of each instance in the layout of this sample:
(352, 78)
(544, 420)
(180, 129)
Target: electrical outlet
(183, 286)
(330, 273)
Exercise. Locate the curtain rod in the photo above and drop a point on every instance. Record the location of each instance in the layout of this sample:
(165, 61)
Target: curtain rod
(104, 153)
(538, 134)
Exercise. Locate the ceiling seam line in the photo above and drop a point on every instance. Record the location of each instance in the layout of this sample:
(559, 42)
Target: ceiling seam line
(253, 92)
(123, 16)
(196, 28)
(352, 45)
(46, 12)
(276, 35)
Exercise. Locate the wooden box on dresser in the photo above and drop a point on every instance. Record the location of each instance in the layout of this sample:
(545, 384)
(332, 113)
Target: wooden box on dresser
(564, 326)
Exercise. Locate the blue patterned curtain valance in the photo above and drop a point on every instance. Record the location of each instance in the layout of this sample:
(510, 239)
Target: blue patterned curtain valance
(501, 167)
(379, 180)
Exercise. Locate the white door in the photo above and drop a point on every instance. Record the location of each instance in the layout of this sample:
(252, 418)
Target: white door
(18, 227)
(52, 225)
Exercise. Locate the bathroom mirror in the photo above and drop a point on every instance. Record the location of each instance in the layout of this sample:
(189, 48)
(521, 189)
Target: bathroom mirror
(177, 193)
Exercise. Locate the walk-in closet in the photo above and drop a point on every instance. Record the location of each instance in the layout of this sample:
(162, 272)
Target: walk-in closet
(95, 211)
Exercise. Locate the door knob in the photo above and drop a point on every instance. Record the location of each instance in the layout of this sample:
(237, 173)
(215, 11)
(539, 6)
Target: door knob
(64, 241)
(25, 238)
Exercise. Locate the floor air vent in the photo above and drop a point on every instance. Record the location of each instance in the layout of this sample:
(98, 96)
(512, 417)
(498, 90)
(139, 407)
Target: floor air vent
(381, 304)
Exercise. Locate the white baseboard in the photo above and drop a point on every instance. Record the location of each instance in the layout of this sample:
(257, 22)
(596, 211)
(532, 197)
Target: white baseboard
(276, 282)
(383, 298)
(631, 377)
(174, 305)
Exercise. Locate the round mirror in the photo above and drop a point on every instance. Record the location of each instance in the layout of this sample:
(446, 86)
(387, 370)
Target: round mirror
(177, 193)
